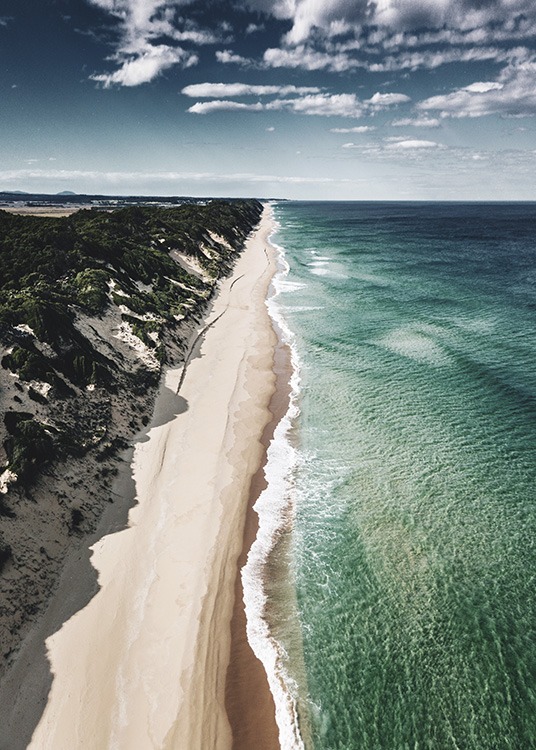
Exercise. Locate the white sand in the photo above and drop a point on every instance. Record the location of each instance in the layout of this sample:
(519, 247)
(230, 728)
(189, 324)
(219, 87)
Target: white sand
(143, 665)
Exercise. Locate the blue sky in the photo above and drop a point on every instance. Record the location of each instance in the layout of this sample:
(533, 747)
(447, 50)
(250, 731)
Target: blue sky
(396, 99)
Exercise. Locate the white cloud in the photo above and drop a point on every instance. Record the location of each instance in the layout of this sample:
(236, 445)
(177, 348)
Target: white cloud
(216, 90)
(150, 38)
(517, 28)
(513, 94)
(357, 129)
(412, 144)
(341, 57)
(227, 57)
(332, 35)
(481, 87)
(224, 105)
(146, 66)
(306, 58)
(326, 105)
(334, 16)
(339, 36)
(253, 28)
(417, 122)
(381, 101)
(431, 59)
(317, 102)
(270, 129)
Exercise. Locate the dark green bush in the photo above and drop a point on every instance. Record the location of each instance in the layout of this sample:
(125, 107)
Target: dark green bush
(91, 287)
(29, 445)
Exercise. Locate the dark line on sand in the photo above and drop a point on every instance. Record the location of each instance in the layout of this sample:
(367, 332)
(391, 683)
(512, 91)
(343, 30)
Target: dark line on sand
(200, 335)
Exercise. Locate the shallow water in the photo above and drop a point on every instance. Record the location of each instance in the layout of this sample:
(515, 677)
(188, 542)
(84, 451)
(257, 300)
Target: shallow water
(413, 545)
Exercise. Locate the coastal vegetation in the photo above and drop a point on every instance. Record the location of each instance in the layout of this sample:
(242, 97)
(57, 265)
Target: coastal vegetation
(55, 270)
(91, 307)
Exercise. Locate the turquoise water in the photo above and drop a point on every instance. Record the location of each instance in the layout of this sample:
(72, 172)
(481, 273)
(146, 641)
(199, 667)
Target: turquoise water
(413, 546)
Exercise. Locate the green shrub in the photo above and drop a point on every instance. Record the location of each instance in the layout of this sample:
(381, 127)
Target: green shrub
(29, 445)
(91, 287)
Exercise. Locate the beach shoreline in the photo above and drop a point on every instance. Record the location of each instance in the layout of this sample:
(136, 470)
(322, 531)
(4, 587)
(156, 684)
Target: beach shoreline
(249, 701)
(144, 664)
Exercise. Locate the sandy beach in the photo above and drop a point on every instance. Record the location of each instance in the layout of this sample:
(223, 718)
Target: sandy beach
(144, 664)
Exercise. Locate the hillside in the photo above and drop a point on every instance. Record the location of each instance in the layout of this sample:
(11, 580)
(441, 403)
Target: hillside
(91, 307)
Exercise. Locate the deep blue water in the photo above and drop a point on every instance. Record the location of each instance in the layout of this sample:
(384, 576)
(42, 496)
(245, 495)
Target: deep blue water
(414, 542)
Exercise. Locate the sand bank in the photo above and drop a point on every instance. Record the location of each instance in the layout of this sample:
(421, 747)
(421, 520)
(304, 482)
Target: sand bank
(144, 664)
(48, 212)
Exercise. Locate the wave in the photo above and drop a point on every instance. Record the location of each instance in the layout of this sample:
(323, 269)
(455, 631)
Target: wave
(273, 507)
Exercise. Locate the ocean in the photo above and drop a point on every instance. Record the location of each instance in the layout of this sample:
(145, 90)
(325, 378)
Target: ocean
(398, 530)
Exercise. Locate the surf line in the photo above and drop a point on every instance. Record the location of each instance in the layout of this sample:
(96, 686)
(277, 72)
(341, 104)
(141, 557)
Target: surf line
(201, 334)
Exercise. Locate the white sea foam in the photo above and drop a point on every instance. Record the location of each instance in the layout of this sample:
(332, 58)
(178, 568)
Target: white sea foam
(302, 308)
(328, 272)
(273, 508)
(281, 285)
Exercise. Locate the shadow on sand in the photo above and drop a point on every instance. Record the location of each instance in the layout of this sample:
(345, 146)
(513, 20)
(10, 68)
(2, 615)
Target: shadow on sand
(26, 684)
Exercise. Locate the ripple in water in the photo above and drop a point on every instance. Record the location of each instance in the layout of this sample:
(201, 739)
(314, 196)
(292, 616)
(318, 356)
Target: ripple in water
(413, 547)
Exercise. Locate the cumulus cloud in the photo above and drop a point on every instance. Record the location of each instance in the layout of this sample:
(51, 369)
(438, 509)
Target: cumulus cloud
(327, 105)
(512, 94)
(253, 28)
(151, 39)
(482, 87)
(224, 105)
(344, 57)
(216, 90)
(407, 144)
(307, 58)
(332, 35)
(338, 16)
(323, 104)
(431, 59)
(515, 29)
(382, 101)
(146, 65)
(227, 57)
(317, 102)
(391, 35)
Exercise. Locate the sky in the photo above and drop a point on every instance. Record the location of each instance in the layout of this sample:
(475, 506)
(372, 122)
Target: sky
(299, 99)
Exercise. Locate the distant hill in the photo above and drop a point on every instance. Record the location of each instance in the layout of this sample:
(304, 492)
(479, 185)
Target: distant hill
(66, 192)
